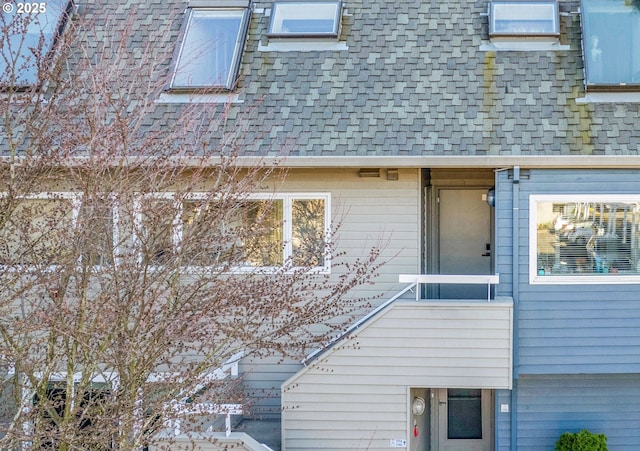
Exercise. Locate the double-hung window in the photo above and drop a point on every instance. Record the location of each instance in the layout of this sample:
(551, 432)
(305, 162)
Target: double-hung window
(30, 31)
(284, 230)
(611, 44)
(585, 239)
(211, 45)
(57, 228)
(35, 229)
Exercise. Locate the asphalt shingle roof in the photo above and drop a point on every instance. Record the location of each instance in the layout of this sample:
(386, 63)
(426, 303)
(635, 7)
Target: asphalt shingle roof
(412, 82)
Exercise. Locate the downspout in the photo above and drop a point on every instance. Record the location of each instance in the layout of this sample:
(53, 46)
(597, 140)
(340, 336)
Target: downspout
(516, 295)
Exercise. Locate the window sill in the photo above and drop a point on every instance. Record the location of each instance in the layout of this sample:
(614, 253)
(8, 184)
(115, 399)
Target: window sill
(248, 270)
(523, 46)
(303, 46)
(610, 97)
(24, 98)
(49, 268)
(595, 279)
(185, 97)
(188, 270)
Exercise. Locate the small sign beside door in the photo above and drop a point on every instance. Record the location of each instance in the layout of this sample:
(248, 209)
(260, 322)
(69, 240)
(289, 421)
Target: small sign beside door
(398, 443)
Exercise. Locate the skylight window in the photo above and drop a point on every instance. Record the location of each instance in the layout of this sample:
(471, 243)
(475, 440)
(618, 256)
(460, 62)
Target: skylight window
(611, 44)
(523, 19)
(305, 19)
(209, 54)
(32, 29)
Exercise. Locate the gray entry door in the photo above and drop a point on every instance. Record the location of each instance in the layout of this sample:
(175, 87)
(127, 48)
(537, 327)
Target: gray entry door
(465, 420)
(464, 237)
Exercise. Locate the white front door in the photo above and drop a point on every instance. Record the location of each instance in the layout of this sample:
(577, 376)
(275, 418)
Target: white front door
(464, 419)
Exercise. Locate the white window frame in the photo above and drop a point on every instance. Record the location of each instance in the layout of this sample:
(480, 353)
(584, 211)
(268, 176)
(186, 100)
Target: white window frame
(572, 279)
(234, 66)
(76, 206)
(283, 10)
(505, 10)
(287, 231)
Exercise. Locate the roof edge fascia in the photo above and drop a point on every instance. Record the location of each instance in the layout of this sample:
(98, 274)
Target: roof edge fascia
(410, 162)
(490, 161)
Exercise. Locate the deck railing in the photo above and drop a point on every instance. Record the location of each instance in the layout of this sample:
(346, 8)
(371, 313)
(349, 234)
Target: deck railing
(414, 280)
(183, 407)
(461, 279)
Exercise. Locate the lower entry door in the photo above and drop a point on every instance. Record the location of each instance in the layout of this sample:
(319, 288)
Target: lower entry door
(465, 419)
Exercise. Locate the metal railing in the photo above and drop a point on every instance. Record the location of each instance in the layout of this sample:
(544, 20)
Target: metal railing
(462, 279)
(356, 325)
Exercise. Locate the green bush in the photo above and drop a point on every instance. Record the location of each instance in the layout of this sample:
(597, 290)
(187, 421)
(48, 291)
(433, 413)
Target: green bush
(581, 441)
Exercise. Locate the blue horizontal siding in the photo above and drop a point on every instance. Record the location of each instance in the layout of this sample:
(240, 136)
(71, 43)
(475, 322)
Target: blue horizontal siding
(551, 405)
(567, 329)
(503, 246)
(503, 421)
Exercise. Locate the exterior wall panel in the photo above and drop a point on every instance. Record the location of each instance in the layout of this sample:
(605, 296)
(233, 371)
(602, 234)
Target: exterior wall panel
(372, 212)
(569, 328)
(551, 405)
(503, 234)
(503, 421)
(409, 344)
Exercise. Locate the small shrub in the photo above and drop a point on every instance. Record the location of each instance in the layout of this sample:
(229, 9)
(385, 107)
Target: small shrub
(581, 441)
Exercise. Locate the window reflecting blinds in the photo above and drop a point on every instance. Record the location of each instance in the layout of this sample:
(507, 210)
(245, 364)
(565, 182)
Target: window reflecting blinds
(588, 238)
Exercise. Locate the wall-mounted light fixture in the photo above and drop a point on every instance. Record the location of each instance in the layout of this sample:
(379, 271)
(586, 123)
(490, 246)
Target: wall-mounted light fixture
(417, 406)
(392, 174)
(491, 197)
(369, 172)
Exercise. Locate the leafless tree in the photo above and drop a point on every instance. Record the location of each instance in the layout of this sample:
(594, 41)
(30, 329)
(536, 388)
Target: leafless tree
(134, 258)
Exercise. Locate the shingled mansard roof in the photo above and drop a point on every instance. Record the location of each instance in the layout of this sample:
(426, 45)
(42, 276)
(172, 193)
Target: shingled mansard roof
(410, 80)
(414, 82)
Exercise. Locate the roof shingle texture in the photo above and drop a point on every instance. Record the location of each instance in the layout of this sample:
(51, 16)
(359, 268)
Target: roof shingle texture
(413, 81)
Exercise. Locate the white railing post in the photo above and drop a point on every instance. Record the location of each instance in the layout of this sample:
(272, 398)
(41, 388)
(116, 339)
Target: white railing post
(488, 291)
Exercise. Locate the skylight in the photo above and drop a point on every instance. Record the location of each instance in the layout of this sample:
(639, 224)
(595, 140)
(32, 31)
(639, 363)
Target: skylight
(523, 18)
(209, 54)
(611, 44)
(305, 19)
(32, 30)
